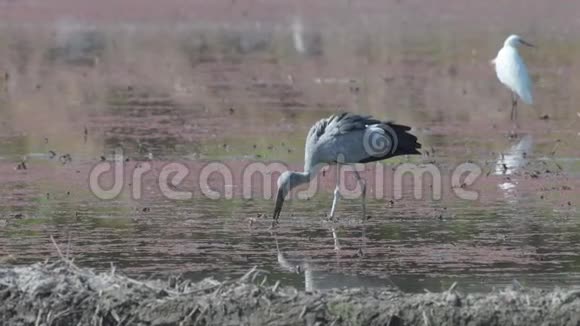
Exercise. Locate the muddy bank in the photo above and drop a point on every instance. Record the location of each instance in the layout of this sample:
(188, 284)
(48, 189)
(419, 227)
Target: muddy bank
(60, 293)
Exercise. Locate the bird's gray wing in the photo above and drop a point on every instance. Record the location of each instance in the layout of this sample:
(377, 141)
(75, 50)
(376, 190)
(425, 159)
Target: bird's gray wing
(340, 124)
(348, 122)
(352, 138)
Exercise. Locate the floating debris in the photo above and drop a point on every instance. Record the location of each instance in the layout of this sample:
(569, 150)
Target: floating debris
(21, 166)
(64, 159)
(504, 167)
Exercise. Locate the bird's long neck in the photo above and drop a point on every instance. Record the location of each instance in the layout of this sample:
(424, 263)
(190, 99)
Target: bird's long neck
(310, 172)
(311, 169)
(301, 178)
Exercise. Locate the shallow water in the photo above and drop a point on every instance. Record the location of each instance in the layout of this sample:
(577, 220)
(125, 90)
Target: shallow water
(524, 225)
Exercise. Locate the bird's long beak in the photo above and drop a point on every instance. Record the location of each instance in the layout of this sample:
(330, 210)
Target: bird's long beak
(279, 203)
(527, 43)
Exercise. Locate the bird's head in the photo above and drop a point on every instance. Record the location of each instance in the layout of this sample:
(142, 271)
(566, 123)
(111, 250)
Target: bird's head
(286, 182)
(284, 187)
(515, 41)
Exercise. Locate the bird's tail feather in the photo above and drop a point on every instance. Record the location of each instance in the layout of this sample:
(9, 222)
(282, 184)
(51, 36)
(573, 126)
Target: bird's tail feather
(407, 143)
(526, 96)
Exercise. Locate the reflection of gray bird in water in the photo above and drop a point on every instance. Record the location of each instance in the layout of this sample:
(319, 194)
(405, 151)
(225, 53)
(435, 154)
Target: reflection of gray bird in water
(346, 139)
(318, 277)
(305, 267)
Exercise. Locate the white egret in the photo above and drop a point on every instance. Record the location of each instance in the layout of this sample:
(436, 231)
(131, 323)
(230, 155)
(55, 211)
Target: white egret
(512, 72)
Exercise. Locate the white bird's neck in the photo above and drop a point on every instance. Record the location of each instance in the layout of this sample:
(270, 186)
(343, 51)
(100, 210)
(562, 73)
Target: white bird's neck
(511, 44)
(507, 50)
(511, 47)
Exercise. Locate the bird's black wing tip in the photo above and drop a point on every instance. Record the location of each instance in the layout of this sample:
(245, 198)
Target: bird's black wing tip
(414, 152)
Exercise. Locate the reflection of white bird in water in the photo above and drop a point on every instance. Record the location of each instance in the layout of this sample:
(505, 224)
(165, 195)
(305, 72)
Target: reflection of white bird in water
(515, 157)
(512, 161)
(298, 35)
(346, 139)
(512, 72)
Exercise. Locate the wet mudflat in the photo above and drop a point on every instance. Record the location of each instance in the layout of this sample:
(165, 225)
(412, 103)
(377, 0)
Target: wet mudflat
(66, 111)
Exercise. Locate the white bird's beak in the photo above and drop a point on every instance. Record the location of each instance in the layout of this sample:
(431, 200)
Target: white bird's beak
(527, 43)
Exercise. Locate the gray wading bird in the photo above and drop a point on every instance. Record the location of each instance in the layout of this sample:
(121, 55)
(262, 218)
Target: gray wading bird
(346, 139)
(512, 72)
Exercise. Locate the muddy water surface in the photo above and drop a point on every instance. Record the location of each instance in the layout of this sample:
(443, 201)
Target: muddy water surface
(524, 224)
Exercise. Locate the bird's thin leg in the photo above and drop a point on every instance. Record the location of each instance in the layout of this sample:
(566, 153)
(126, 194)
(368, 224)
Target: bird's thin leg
(514, 106)
(335, 238)
(363, 186)
(514, 115)
(336, 192)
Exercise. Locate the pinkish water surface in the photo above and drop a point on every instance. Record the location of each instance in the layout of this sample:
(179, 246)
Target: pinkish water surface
(163, 101)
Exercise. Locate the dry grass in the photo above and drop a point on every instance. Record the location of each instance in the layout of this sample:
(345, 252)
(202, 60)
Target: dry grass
(61, 293)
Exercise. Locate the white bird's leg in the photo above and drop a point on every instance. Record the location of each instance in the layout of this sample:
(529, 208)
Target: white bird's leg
(514, 114)
(336, 192)
(363, 186)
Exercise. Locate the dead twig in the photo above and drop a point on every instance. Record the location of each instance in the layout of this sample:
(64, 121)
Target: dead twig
(247, 275)
(452, 287)
(426, 319)
(38, 317)
(304, 310)
(188, 317)
(58, 249)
